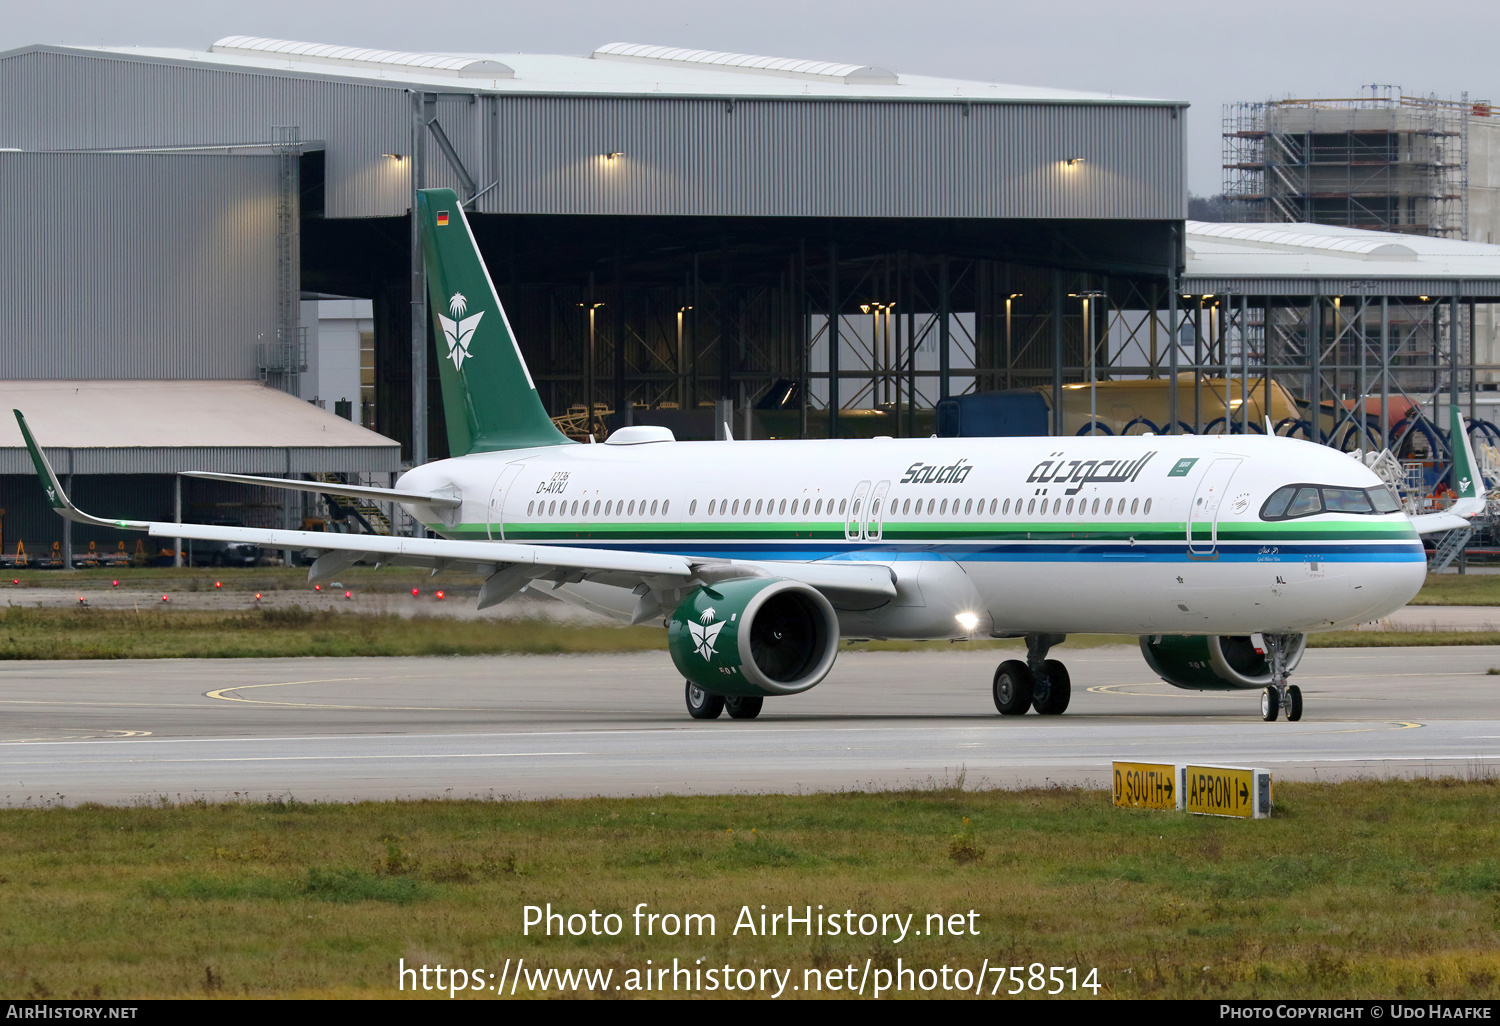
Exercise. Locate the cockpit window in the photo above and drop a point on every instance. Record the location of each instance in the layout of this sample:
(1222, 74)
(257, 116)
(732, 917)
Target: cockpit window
(1385, 501)
(1305, 500)
(1347, 500)
(1305, 503)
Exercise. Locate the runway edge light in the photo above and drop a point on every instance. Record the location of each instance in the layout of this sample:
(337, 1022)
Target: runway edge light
(1236, 791)
(1147, 785)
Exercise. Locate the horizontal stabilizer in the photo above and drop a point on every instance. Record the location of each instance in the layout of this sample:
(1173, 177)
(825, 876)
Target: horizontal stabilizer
(1438, 523)
(436, 500)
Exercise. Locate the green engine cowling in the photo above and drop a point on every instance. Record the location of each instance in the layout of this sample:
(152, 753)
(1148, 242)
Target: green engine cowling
(1213, 662)
(761, 636)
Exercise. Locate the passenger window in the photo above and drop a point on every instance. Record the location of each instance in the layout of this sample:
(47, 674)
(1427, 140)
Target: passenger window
(1096, 507)
(1134, 503)
(711, 506)
(1148, 507)
(575, 507)
(818, 508)
(736, 507)
(968, 506)
(782, 508)
(994, 503)
(843, 503)
(943, 508)
(1005, 508)
(1107, 504)
(1070, 506)
(653, 507)
(1031, 506)
(692, 507)
(529, 506)
(665, 503)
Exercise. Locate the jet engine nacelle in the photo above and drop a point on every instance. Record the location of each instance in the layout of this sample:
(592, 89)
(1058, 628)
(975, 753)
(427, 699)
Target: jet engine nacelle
(1213, 662)
(757, 636)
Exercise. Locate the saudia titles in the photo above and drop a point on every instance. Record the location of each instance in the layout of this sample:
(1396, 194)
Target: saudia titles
(927, 473)
(1085, 472)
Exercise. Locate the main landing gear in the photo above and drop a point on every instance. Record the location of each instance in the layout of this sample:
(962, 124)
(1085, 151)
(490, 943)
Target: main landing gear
(702, 705)
(1039, 683)
(1280, 696)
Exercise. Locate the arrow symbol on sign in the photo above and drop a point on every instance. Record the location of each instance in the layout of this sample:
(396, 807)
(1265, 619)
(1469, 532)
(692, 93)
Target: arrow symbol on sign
(1244, 792)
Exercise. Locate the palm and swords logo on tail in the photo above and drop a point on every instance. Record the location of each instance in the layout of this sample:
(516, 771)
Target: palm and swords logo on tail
(460, 332)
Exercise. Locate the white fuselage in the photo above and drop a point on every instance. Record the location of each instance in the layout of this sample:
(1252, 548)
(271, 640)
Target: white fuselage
(1135, 535)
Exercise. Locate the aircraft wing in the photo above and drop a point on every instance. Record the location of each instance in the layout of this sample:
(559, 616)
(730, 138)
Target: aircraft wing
(318, 487)
(511, 566)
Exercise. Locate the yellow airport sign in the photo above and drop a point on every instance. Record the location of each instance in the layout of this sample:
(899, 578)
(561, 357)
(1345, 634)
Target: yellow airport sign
(1146, 785)
(1226, 791)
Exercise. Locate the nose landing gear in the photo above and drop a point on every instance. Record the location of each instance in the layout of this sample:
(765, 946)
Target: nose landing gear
(1280, 696)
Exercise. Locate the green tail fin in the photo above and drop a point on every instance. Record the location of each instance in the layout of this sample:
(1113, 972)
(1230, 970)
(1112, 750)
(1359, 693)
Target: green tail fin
(488, 394)
(1467, 481)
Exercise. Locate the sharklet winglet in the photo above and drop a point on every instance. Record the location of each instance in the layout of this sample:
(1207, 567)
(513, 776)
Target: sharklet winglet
(53, 489)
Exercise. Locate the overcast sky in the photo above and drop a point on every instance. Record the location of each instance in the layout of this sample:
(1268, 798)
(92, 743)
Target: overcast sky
(1206, 52)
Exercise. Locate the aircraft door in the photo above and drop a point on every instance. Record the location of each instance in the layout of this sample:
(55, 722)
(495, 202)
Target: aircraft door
(495, 518)
(1203, 515)
(853, 516)
(875, 518)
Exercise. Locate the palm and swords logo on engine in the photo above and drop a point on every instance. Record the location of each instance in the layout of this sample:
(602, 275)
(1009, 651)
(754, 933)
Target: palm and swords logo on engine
(460, 332)
(705, 633)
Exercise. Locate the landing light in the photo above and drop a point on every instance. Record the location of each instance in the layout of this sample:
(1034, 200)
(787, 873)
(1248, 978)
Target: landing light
(968, 621)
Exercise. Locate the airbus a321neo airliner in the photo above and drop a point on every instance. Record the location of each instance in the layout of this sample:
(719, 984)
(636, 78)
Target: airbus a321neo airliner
(1220, 552)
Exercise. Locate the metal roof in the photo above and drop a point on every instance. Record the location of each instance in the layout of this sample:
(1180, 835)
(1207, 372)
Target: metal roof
(614, 69)
(166, 426)
(353, 56)
(1320, 259)
(744, 62)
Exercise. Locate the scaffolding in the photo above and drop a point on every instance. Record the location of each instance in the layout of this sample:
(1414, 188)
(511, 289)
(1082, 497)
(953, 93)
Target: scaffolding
(1384, 161)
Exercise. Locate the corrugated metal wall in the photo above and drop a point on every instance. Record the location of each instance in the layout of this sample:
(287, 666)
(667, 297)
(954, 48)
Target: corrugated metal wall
(57, 100)
(754, 157)
(816, 158)
(227, 459)
(135, 265)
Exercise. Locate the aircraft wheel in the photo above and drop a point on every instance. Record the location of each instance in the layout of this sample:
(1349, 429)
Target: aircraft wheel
(1270, 705)
(1060, 691)
(1012, 688)
(1294, 703)
(746, 708)
(701, 704)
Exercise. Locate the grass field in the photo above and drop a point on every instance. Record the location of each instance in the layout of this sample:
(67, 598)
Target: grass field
(1440, 590)
(154, 633)
(1366, 889)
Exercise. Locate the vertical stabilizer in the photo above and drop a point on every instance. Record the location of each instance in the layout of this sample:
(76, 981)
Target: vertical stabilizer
(489, 398)
(1468, 482)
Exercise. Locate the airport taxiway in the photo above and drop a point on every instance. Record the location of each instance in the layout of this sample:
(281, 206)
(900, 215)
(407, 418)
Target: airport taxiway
(534, 726)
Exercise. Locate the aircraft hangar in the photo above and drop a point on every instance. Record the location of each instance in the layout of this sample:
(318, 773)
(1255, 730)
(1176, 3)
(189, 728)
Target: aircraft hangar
(840, 246)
